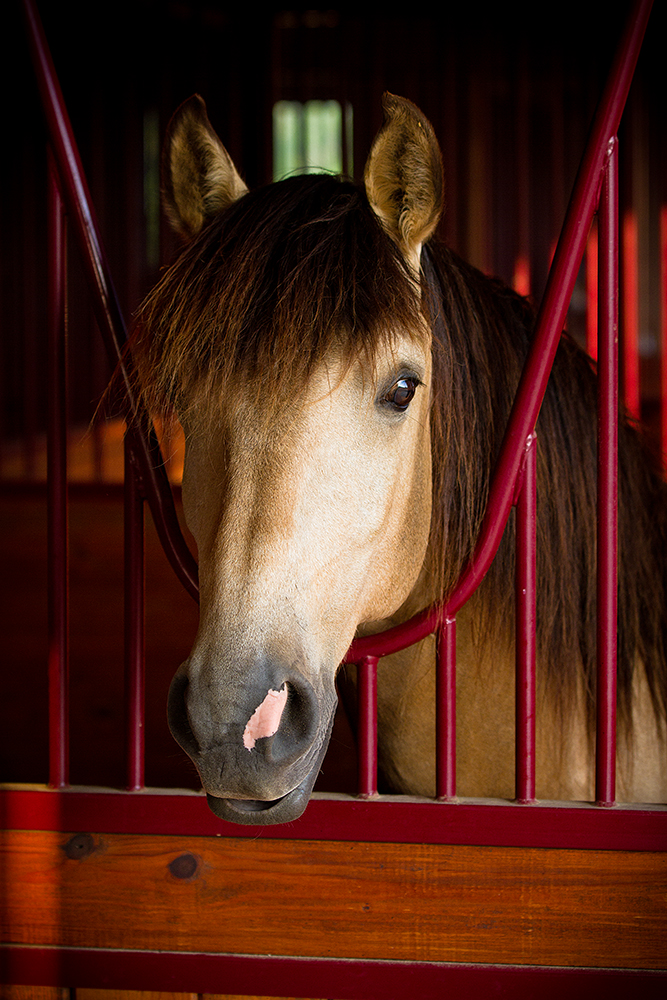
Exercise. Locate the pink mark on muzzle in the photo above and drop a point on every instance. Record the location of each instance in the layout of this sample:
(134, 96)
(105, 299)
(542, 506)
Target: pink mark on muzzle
(265, 720)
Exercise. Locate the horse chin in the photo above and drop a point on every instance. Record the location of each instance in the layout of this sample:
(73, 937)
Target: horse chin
(255, 812)
(259, 812)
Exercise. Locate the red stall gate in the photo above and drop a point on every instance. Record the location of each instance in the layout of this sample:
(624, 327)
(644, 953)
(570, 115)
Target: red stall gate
(368, 896)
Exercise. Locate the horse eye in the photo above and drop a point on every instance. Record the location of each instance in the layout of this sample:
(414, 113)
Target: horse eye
(401, 393)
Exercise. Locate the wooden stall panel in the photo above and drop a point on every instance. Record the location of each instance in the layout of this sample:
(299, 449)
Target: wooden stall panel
(331, 899)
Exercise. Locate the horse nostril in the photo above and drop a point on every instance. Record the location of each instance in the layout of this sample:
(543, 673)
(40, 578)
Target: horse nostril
(298, 724)
(177, 715)
(265, 720)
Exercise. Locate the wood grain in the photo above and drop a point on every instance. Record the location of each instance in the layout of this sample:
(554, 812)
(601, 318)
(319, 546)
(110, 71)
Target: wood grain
(322, 898)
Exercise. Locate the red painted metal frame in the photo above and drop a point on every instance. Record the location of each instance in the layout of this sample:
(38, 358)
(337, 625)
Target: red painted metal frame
(345, 979)
(607, 529)
(134, 625)
(631, 389)
(58, 568)
(445, 711)
(383, 819)
(367, 740)
(525, 590)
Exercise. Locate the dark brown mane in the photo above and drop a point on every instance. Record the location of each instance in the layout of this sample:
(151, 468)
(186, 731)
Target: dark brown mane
(301, 268)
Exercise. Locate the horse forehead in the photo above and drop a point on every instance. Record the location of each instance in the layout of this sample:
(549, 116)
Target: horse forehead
(260, 431)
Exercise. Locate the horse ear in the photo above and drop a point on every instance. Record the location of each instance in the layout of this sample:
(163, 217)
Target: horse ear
(403, 176)
(198, 176)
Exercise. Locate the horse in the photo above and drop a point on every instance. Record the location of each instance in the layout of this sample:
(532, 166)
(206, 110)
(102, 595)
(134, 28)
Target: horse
(343, 381)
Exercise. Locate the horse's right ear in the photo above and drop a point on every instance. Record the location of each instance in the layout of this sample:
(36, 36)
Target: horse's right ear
(198, 176)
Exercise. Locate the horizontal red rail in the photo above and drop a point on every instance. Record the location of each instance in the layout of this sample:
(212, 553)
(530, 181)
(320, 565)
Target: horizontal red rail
(347, 979)
(384, 819)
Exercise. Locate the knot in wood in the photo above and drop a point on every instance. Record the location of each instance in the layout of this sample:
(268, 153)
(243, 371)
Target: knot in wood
(184, 866)
(80, 846)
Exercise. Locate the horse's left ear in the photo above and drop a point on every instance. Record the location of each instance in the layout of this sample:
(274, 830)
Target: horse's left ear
(403, 176)
(198, 176)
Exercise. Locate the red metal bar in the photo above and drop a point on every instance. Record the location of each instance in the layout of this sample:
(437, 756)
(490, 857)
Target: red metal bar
(134, 625)
(631, 388)
(105, 302)
(367, 726)
(58, 661)
(525, 588)
(592, 292)
(445, 719)
(347, 979)
(607, 486)
(385, 819)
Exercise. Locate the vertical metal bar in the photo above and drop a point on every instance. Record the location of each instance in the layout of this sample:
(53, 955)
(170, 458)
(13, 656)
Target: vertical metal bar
(367, 726)
(592, 292)
(607, 485)
(525, 584)
(445, 720)
(631, 390)
(134, 624)
(58, 656)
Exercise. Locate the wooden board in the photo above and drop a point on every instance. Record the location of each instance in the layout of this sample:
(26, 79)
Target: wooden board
(322, 898)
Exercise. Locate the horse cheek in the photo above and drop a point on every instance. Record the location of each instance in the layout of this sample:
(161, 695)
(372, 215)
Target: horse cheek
(398, 566)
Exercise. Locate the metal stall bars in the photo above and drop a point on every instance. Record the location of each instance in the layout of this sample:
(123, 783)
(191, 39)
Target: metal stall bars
(147, 478)
(596, 187)
(327, 820)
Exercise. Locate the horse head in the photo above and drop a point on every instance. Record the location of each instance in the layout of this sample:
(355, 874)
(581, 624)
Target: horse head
(302, 377)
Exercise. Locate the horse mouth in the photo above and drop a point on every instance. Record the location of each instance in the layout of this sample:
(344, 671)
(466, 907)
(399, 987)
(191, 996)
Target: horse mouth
(257, 812)
(260, 812)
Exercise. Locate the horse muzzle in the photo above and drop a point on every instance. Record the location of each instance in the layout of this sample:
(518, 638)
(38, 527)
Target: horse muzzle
(258, 768)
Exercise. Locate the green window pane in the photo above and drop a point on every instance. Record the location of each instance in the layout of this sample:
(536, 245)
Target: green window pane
(310, 137)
